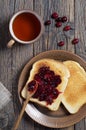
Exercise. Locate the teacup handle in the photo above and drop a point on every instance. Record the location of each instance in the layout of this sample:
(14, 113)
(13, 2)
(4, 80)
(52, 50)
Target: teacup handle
(10, 43)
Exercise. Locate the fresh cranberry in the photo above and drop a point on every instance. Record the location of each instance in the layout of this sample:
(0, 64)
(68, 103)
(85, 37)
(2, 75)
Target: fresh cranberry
(54, 15)
(48, 22)
(59, 19)
(61, 43)
(75, 41)
(31, 85)
(64, 19)
(66, 28)
(58, 24)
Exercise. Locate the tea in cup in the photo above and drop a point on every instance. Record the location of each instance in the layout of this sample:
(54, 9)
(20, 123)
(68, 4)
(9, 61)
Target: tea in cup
(25, 27)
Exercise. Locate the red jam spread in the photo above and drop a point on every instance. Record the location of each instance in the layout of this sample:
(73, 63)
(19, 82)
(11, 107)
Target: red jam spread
(47, 82)
(32, 86)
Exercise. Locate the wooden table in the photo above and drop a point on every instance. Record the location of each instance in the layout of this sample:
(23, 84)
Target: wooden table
(13, 60)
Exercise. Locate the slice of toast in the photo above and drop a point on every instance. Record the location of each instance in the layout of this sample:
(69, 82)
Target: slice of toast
(59, 69)
(75, 93)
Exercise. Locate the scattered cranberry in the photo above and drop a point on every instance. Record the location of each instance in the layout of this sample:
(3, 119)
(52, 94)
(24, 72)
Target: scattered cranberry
(66, 28)
(75, 41)
(58, 24)
(54, 15)
(61, 43)
(59, 19)
(48, 22)
(64, 19)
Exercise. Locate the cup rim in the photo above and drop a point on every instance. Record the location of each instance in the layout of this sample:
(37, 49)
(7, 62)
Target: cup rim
(11, 28)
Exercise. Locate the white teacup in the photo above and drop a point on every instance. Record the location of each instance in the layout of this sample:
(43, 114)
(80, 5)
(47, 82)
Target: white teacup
(25, 27)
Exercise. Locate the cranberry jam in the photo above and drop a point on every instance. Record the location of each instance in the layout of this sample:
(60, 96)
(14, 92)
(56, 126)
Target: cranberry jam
(32, 86)
(47, 83)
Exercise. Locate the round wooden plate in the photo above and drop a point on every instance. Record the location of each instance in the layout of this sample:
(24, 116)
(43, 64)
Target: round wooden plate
(61, 118)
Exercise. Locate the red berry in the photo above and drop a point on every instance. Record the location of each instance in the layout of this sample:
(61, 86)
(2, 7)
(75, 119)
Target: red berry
(59, 19)
(64, 19)
(48, 22)
(61, 43)
(54, 15)
(75, 41)
(58, 24)
(66, 28)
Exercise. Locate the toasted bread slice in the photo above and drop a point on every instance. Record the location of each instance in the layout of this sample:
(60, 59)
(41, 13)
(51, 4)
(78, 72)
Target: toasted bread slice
(59, 69)
(75, 93)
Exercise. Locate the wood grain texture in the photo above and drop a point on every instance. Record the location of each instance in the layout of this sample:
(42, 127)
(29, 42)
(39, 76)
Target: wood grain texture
(13, 60)
(80, 30)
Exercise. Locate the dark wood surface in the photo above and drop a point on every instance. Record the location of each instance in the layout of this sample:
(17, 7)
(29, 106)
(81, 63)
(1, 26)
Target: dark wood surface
(13, 60)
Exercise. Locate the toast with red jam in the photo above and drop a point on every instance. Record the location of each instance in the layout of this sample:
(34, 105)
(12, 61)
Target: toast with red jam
(52, 78)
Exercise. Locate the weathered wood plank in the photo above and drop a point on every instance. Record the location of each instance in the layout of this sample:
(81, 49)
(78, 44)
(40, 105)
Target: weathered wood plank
(64, 9)
(80, 23)
(80, 125)
(5, 55)
(40, 8)
(68, 128)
